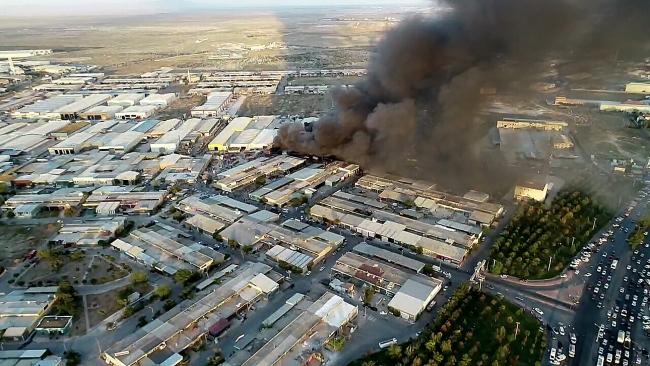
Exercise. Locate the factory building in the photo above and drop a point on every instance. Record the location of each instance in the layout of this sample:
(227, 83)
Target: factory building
(61, 199)
(72, 145)
(45, 108)
(532, 124)
(171, 140)
(208, 127)
(641, 88)
(222, 140)
(166, 336)
(163, 127)
(21, 311)
(73, 110)
(123, 142)
(126, 100)
(130, 202)
(531, 190)
(246, 174)
(88, 232)
(628, 106)
(215, 104)
(411, 293)
(159, 251)
(101, 112)
(136, 112)
(158, 100)
(307, 333)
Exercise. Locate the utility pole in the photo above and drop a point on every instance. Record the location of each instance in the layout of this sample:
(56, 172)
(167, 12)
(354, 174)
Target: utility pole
(549, 264)
(99, 347)
(573, 239)
(594, 225)
(517, 330)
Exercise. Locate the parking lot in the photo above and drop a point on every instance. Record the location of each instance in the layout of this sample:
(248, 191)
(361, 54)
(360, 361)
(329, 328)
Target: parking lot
(620, 289)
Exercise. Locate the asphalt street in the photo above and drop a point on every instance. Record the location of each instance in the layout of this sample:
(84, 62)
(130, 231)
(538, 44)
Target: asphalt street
(590, 316)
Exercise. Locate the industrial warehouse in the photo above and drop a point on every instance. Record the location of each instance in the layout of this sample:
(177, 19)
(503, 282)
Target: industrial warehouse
(207, 240)
(160, 341)
(244, 133)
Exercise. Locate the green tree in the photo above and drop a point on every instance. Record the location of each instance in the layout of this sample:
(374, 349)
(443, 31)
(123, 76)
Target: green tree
(395, 351)
(67, 300)
(182, 276)
(77, 255)
(138, 277)
(11, 214)
(216, 236)
(72, 358)
(163, 291)
(142, 321)
(337, 343)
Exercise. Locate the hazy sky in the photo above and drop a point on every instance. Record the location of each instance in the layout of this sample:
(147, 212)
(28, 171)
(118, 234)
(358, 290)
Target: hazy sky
(97, 7)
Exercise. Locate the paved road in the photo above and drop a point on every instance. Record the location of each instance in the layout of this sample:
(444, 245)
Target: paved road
(589, 313)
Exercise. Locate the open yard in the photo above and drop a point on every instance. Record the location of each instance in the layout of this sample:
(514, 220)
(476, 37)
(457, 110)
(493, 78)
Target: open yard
(305, 105)
(101, 306)
(18, 240)
(75, 267)
(472, 329)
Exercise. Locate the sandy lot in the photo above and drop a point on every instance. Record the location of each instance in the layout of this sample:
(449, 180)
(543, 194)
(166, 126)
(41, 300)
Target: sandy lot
(18, 240)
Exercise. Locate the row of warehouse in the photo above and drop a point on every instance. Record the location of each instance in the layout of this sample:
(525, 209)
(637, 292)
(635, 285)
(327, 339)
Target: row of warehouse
(73, 106)
(61, 137)
(104, 169)
(211, 311)
(292, 183)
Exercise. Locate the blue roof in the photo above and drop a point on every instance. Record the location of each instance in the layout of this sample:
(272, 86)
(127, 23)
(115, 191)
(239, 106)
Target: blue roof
(146, 125)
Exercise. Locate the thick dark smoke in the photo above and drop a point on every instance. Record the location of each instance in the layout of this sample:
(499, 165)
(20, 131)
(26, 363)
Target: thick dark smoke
(415, 112)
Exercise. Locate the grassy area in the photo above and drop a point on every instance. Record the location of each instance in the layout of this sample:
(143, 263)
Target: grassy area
(472, 329)
(538, 234)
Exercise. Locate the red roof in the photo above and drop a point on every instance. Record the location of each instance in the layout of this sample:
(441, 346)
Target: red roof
(218, 327)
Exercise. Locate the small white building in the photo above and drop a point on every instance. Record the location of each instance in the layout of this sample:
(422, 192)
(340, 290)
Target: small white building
(27, 211)
(171, 140)
(126, 100)
(413, 297)
(158, 100)
(216, 103)
(136, 112)
(531, 190)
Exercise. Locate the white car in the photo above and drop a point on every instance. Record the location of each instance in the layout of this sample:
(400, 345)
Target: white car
(321, 269)
(308, 273)
(613, 323)
(563, 275)
(606, 286)
(383, 313)
(577, 271)
(562, 330)
(628, 267)
(622, 290)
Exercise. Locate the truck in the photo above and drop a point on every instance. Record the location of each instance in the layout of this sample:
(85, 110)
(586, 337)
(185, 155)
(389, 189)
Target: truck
(621, 336)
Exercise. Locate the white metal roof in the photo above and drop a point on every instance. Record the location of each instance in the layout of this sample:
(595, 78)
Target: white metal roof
(264, 283)
(84, 104)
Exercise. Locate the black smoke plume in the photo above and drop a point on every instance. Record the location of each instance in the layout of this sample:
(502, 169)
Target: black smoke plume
(415, 111)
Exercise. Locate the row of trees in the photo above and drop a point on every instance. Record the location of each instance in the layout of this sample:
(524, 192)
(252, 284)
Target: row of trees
(638, 235)
(472, 329)
(539, 235)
